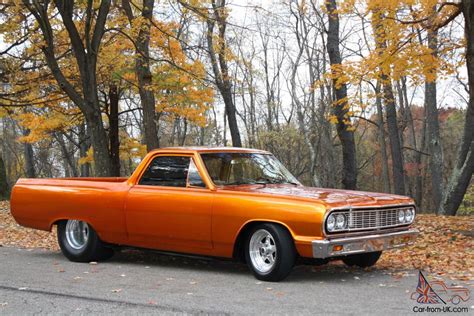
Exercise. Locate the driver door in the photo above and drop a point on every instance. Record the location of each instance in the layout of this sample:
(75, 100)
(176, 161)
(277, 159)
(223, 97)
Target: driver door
(170, 207)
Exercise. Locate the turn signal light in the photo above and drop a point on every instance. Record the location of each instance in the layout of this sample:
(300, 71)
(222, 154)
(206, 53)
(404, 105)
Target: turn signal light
(337, 248)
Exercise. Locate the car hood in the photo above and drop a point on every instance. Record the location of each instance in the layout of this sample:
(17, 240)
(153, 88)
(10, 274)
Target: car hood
(329, 197)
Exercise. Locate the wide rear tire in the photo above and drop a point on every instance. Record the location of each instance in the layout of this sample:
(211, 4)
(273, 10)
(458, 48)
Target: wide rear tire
(270, 252)
(80, 243)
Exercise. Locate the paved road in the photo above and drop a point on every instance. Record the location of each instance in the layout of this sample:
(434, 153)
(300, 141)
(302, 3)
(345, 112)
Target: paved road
(136, 282)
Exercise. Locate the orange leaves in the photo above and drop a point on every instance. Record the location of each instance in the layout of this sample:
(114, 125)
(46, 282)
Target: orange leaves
(182, 92)
(42, 125)
(445, 246)
(12, 234)
(178, 83)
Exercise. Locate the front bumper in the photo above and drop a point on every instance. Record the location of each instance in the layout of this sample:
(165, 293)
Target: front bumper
(327, 248)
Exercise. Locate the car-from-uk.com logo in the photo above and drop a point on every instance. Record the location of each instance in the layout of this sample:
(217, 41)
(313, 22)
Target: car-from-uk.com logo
(436, 297)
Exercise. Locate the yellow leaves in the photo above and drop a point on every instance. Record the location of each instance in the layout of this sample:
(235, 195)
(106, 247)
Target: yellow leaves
(41, 126)
(346, 6)
(350, 128)
(181, 92)
(333, 119)
(131, 148)
(347, 122)
(395, 50)
(339, 75)
(89, 158)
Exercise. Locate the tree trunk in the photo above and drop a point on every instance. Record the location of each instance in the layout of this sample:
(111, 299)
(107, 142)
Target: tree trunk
(85, 48)
(382, 143)
(3, 180)
(346, 137)
(408, 117)
(28, 153)
(99, 143)
(419, 161)
(390, 107)
(220, 67)
(434, 138)
(114, 131)
(231, 117)
(84, 145)
(394, 136)
(464, 167)
(143, 72)
(69, 161)
(145, 79)
(433, 134)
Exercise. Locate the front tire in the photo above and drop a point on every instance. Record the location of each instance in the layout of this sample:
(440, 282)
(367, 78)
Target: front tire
(270, 252)
(362, 260)
(80, 243)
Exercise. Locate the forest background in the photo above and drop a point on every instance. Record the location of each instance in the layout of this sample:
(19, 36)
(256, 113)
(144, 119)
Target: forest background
(374, 95)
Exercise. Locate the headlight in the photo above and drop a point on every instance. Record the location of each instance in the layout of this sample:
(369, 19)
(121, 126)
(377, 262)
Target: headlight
(331, 223)
(410, 215)
(340, 221)
(401, 216)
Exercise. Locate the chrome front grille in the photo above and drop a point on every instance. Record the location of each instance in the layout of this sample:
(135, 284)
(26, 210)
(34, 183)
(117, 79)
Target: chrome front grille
(363, 219)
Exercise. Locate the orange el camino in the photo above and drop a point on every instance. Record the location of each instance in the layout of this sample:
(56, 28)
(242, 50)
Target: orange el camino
(221, 202)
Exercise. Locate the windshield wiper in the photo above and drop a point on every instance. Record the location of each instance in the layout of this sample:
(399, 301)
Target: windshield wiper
(240, 182)
(262, 181)
(290, 182)
(274, 181)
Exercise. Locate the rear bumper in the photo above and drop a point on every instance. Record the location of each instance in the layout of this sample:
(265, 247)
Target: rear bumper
(327, 248)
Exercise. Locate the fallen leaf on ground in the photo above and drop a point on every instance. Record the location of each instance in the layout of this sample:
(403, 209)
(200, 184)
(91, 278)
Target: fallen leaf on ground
(445, 246)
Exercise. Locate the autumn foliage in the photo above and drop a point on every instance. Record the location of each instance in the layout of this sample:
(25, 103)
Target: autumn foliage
(358, 94)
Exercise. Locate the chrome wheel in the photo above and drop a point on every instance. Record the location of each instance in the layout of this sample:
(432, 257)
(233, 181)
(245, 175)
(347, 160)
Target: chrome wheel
(77, 234)
(262, 251)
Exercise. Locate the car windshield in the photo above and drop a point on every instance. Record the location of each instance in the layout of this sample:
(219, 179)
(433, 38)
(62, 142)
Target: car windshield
(246, 168)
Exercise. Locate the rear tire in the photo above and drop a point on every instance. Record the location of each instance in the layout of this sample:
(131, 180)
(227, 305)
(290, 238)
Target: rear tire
(270, 252)
(362, 260)
(80, 243)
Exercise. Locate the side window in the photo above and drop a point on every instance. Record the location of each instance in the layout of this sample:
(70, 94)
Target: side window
(170, 171)
(194, 178)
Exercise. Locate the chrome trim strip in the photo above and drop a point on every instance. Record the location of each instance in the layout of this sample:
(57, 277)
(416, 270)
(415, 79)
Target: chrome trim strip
(353, 245)
(368, 207)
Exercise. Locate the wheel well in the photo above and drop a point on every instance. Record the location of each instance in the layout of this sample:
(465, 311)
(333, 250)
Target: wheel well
(56, 222)
(239, 245)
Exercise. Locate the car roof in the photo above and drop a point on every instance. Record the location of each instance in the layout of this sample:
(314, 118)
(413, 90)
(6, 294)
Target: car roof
(205, 149)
